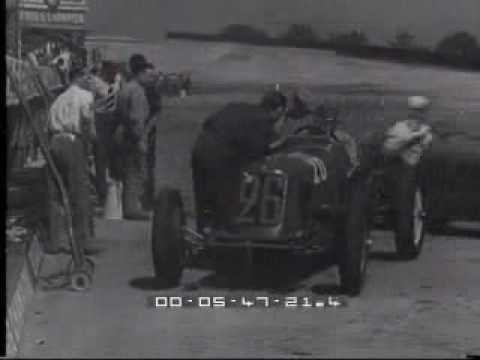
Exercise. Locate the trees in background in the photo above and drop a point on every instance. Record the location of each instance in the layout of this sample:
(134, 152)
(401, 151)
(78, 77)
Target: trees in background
(353, 38)
(244, 33)
(403, 40)
(300, 35)
(459, 48)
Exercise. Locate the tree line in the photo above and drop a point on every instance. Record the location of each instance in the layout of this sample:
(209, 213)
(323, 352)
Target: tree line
(460, 49)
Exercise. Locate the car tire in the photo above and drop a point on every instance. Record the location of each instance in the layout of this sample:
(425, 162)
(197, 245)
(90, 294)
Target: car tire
(354, 249)
(168, 243)
(409, 216)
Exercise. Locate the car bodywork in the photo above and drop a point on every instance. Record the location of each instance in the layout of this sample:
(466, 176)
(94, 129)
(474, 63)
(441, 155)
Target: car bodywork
(452, 173)
(294, 199)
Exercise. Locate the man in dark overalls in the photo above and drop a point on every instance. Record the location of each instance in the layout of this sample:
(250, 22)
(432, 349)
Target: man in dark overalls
(72, 130)
(132, 134)
(231, 138)
(154, 96)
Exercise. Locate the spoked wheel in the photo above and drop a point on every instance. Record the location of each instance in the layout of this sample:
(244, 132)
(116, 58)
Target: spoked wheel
(355, 245)
(410, 218)
(418, 219)
(168, 243)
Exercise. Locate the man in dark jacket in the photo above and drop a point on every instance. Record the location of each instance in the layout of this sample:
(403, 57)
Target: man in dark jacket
(231, 138)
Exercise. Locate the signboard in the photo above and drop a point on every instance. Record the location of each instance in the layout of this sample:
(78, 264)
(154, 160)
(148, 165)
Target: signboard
(32, 17)
(11, 4)
(53, 13)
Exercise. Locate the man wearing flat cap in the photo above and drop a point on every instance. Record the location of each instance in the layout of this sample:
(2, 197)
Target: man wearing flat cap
(133, 112)
(411, 137)
(229, 139)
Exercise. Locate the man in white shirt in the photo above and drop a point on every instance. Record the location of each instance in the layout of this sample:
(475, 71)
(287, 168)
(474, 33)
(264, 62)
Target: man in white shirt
(409, 138)
(71, 127)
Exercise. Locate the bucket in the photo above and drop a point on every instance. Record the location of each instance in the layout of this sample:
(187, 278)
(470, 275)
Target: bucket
(113, 202)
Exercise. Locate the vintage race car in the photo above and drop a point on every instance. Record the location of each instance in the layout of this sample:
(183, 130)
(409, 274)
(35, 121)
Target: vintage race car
(174, 84)
(303, 199)
(454, 167)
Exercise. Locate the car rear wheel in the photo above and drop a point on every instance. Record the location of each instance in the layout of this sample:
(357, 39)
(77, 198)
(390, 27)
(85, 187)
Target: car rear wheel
(409, 219)
(354, 250)
(168, 243)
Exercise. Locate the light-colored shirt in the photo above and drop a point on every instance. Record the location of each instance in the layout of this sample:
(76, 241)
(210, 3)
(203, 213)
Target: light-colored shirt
(133, 109)
(70, 110)
(403, 132)
(99, 86)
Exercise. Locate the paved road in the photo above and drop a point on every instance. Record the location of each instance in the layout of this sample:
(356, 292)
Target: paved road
(426, 308)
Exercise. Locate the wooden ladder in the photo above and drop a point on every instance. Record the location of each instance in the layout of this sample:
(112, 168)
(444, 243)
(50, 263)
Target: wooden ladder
(79, 260)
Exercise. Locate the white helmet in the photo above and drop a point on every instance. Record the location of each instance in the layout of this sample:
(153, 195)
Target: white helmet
(418, 103)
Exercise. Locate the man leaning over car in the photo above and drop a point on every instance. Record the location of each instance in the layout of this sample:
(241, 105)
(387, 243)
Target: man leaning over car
(230, 138)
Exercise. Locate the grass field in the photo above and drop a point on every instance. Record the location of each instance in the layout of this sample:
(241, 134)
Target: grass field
(371, 94)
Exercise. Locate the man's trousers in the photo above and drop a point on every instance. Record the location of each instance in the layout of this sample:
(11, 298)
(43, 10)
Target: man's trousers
(69, 154)
(134, 181)
(104, 153)
(215, 178)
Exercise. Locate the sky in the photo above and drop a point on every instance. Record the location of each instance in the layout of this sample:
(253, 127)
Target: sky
(428, 20)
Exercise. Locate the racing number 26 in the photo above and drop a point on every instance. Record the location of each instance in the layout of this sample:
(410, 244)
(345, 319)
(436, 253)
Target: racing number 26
(269, 192)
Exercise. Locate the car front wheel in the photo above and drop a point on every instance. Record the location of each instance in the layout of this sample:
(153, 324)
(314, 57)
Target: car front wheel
(354, 249)
(168, 243)
(410, 217)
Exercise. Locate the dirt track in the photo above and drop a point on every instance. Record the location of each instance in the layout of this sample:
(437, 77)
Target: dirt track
(427, 308)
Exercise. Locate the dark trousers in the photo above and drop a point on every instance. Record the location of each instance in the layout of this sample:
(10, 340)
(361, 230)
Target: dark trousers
(134, 177)
(215, 178)
(136, 170)
(69, 155)
(104, 153)
(149, 193)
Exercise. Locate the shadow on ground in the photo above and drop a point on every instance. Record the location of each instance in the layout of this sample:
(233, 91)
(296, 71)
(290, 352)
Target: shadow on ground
(150, 284)
(455, 230)
(275, 273)
(281, 275)
(385, 256)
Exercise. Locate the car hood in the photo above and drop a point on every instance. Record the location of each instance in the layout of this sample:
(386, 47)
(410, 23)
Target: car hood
(309, 161)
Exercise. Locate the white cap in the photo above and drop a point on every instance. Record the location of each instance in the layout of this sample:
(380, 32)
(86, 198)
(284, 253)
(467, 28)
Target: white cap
(418, 102)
